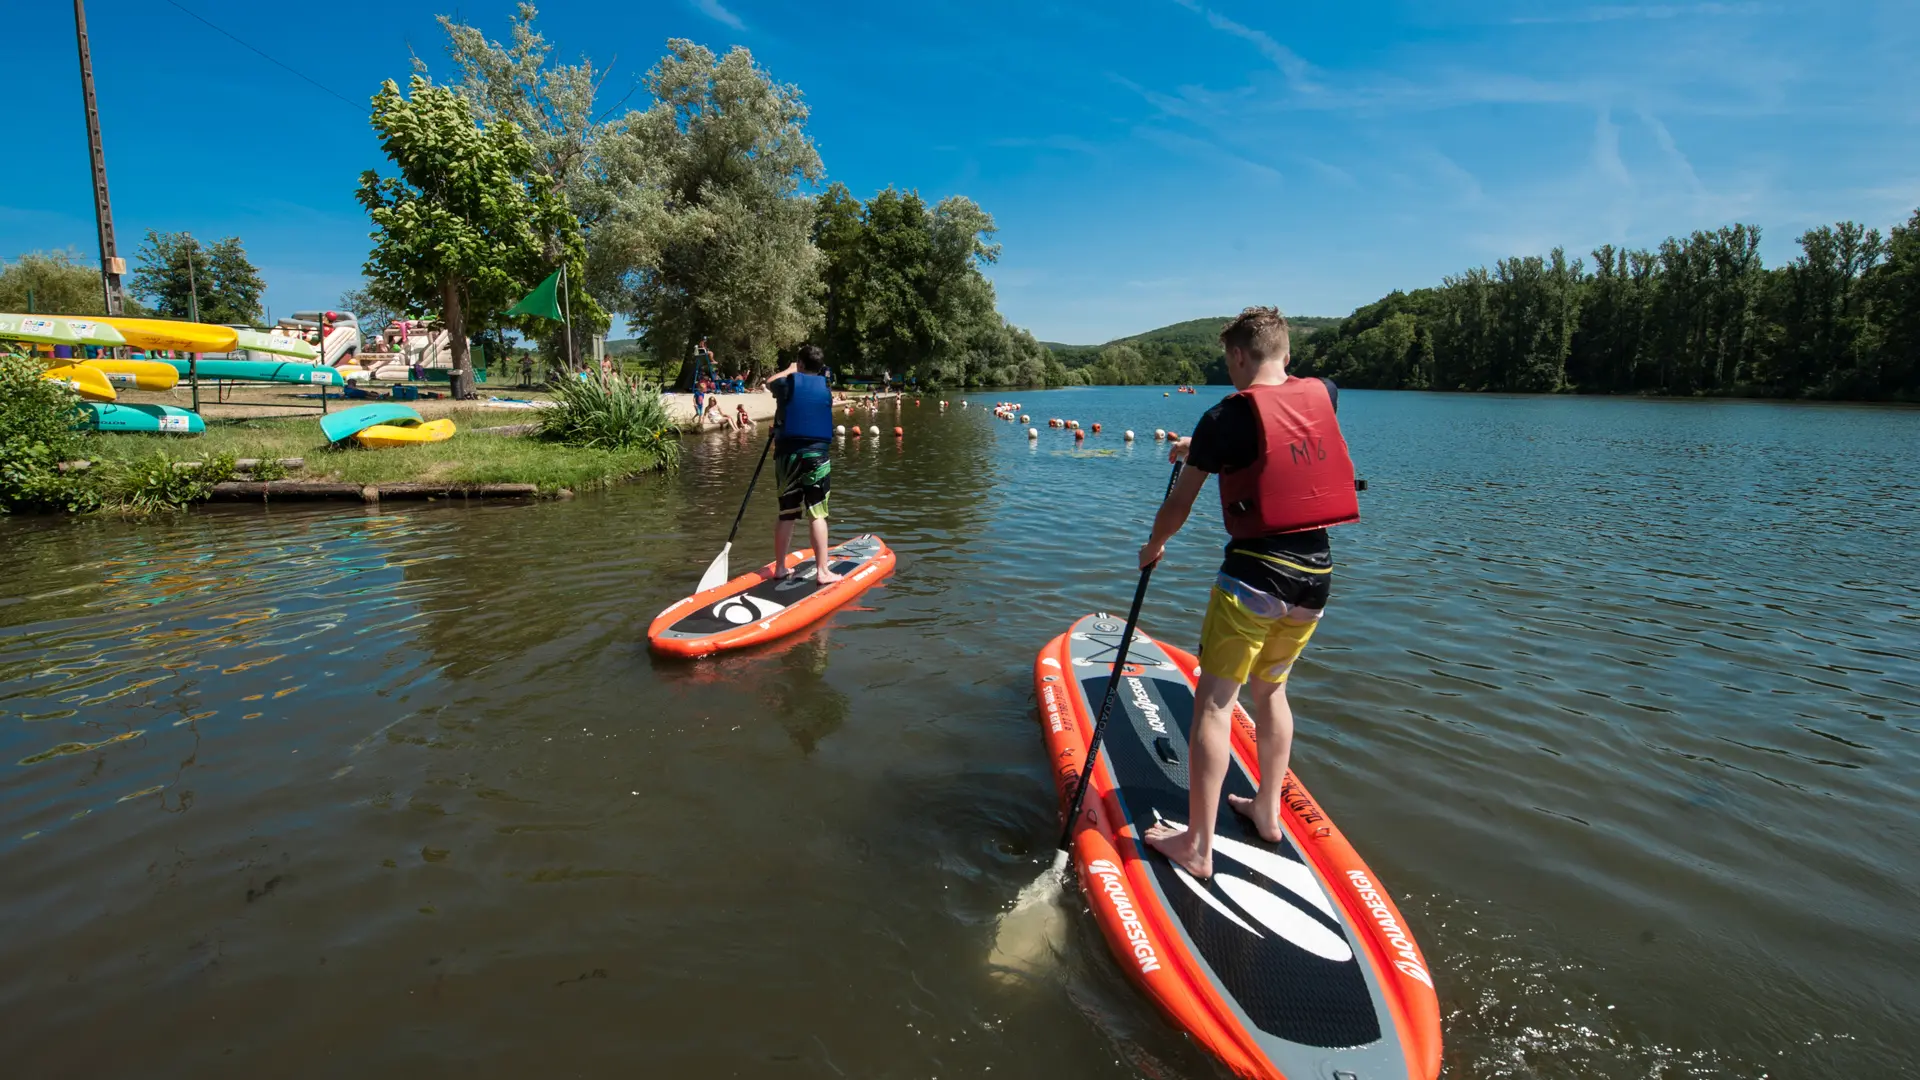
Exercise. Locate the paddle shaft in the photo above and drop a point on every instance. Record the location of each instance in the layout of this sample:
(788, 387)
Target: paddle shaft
(1113, 685)
(764, 451)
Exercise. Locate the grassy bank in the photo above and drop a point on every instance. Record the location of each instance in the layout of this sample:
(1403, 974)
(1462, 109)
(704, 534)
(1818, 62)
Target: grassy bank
(471, 456)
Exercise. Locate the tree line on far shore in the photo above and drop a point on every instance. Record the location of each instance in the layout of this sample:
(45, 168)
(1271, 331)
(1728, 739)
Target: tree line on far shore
(1699, 315)
(175, 276)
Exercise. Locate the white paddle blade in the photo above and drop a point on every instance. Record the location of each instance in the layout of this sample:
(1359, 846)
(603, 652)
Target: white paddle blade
(716, 574)
(1029, 937)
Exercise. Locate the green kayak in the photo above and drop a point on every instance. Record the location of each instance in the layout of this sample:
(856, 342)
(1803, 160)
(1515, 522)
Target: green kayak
(110, 416)
(263, 371)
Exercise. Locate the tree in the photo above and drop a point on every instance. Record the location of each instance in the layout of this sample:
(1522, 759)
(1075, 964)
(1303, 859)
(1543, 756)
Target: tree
(51, 282)
(590, 163)
(183, 278)
(736, 264)
(467, 224)
(373, 313)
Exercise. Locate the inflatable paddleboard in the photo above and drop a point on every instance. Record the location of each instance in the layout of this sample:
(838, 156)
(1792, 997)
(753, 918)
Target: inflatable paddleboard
(753, 608)
(1291, 961)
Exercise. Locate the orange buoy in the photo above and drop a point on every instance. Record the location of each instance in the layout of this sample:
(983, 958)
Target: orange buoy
(856, 431)
(1096, 429)
(1079, 435)
(897, 432)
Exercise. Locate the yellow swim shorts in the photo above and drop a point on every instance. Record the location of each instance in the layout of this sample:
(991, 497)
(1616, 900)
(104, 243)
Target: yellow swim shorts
(1236, 643)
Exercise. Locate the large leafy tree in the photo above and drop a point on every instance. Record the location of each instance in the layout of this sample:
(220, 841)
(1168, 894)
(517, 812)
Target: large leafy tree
(467, 225)
(53, 282)
(588, 159)
(735, 261)
(181, 277)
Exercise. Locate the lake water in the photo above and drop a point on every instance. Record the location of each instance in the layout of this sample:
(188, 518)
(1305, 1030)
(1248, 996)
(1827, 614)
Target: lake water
(1620, 699)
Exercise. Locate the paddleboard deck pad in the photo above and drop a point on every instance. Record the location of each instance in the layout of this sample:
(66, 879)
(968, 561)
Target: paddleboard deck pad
(753, 607)
(1291, 961)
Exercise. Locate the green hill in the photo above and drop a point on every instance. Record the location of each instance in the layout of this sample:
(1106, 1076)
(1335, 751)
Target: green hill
(1184, 352)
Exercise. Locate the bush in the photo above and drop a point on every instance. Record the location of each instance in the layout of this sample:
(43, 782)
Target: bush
(157, 484)
(38, 422)
(611, 414)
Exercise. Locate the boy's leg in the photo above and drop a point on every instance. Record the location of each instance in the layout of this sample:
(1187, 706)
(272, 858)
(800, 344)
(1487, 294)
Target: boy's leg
(1273, 717)
(1273, 723)
(1231, 638)
(1209, 749)
(789, 512)
(782, 536)
(818, 527)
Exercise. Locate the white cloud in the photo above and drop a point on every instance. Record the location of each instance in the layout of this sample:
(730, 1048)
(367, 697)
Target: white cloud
(1298, 72)
(713, 9)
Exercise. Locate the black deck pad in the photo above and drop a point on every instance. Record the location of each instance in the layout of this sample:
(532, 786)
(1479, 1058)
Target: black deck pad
(766, 598)
(1262, 923)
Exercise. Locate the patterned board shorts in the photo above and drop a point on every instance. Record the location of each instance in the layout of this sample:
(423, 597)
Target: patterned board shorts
(805, 478)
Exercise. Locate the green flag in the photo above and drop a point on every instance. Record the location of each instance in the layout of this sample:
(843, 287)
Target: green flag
(543, 300)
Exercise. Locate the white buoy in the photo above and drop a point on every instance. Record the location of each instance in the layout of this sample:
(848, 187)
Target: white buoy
(1129, 436)
(1023, 418)
(1159, 434)
(839, 429)
(874, 430)
(1033, 433)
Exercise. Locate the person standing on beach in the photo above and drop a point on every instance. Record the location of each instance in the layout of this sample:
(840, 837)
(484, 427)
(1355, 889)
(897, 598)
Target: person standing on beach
(802, 462)
(1285, 477)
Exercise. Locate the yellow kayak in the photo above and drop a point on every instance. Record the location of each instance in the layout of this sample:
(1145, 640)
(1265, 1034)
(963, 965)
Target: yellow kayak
(137, 374)
(173, 334)
(409, 433)
(89, 383)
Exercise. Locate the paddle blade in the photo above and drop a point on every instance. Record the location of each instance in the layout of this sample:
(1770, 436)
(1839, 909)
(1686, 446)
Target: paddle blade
(1031, 934)
(716, 574)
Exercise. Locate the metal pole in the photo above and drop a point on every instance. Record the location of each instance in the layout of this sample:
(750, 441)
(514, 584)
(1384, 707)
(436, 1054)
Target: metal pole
(111, 265)
(193, 314)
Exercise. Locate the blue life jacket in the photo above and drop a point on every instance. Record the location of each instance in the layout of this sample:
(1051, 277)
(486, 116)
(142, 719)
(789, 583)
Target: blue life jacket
(807, 413)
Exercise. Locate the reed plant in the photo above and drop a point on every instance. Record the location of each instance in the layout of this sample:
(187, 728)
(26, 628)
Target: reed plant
(613, 413)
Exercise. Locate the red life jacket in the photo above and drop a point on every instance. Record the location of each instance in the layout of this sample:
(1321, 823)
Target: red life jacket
(1303, 478)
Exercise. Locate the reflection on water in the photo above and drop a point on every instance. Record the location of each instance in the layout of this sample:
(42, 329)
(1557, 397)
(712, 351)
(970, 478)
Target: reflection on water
(1619, 697)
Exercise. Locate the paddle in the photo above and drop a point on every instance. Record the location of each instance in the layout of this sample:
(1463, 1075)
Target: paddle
(717, 570)
(1028, 928)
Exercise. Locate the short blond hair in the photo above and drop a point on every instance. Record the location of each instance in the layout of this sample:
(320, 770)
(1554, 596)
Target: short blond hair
(1261, 332)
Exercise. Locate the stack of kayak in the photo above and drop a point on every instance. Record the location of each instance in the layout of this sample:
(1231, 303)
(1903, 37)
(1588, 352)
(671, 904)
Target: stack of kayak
(384, 425)
(100, 379)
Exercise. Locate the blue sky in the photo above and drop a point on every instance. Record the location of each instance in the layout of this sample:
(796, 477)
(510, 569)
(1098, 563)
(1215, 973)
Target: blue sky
(1146, 160)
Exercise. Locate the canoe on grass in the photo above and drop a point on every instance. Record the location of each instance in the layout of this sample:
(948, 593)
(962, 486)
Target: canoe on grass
(279, 371)
(405, 433)
(345, 424)
(145, 418)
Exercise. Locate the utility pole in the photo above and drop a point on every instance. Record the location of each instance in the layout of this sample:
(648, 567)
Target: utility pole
(111, 264)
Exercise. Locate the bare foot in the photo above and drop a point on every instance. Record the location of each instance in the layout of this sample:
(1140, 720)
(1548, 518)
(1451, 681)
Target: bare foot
(1265, 822)
(1176, 843)
(827, 577)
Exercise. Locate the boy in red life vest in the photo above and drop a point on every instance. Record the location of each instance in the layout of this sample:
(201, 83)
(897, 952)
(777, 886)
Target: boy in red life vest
(1285, 476)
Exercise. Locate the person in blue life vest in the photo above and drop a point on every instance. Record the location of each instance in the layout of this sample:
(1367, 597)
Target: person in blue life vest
(1285, 478)
(802, 462)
